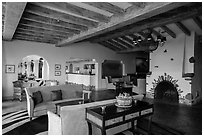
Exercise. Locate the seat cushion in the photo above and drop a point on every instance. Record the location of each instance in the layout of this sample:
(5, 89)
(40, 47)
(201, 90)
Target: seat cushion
(56, 95)
(37, 98)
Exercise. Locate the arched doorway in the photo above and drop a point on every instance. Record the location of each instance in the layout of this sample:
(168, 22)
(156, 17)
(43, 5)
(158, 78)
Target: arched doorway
(33, 67)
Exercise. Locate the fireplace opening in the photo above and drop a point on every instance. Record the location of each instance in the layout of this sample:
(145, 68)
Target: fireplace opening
(166, 92)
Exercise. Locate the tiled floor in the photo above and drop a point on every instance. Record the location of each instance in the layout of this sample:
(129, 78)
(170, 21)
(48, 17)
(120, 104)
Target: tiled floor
(186, 119)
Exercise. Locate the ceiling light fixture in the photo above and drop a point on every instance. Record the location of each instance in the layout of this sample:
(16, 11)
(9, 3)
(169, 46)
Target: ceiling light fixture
(149, 41)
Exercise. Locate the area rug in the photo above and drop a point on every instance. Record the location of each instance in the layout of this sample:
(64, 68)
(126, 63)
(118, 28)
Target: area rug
(18, 123)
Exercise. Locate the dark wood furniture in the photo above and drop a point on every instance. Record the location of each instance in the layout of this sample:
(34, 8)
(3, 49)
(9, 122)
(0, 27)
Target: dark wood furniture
(113, 116)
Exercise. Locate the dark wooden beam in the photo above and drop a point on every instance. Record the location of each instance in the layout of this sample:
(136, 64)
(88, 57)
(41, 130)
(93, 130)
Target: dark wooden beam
(169, 31)
(122, 47)
(150, 24)
(68, 8)
(27, 27)
(148, 11)
(59, 15)
(27, 21)
(120, 40)
(57, 22)
(106, 6)
(198, 21)
(107, 45)
(127, 39)
(183, 28)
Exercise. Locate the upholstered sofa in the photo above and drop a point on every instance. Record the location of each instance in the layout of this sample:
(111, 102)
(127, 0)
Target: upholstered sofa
(48, 99)
(71, 120)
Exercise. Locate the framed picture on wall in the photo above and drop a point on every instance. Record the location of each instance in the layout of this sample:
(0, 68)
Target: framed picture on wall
(57, 66)
(57, 73)
(10, 68)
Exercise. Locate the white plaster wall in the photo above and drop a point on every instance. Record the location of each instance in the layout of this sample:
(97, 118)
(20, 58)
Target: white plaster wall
(14, 51)
(175, 50)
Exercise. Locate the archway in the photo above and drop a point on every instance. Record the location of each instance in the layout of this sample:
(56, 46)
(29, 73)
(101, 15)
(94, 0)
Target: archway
(33, 67)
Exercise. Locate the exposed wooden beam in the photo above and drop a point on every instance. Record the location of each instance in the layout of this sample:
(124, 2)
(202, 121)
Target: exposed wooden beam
(57, 22)
(14, 11)
(127, 39)
(106, 6)
(46, 37)
(112, 41)
(59, 15)
(118, 22)
(40, 33)
(48, 26)
(135, 49)
(120, 40)
(150, 24)
(34, 39)
(198, 21)
(183, 28)
(27, 27)
(68, 8)
(107, 45)
(169, 31)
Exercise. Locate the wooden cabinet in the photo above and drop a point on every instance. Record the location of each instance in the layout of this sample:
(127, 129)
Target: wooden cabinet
(19, 92)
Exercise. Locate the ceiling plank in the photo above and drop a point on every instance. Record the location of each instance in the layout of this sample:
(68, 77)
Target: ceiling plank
(59, 15)
(122, 47)
(169, 31)
(198, 21)
(127, 39)
(117, 22)
(40, 33)
(27, 27)
(34, 39)
(183, 28)
(68, 8)
(48, 26)
(137, 27)
(106, 6)
(120, 40)
(13, 13)
(57, 22)
(47, 37)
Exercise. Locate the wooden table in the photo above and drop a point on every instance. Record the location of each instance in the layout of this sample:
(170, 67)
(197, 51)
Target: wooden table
(114, 116)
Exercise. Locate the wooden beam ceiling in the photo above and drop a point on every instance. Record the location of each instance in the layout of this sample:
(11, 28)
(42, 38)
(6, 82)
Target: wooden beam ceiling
(149, 23)
(183, 28)
(135, 15)
(53, 21)
(32, 8)
(169, 31)
(13, 13)
(107, 7)
(68, 8)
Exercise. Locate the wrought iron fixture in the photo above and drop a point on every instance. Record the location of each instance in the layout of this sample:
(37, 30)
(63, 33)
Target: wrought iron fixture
(149, 41)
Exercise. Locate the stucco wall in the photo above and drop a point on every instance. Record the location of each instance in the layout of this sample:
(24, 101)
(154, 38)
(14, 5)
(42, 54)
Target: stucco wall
(14, 51)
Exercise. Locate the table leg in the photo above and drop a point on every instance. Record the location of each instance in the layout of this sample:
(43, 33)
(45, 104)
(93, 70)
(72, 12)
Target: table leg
(103, 131)
(90, 128)
(149, 124)
(133, 127)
